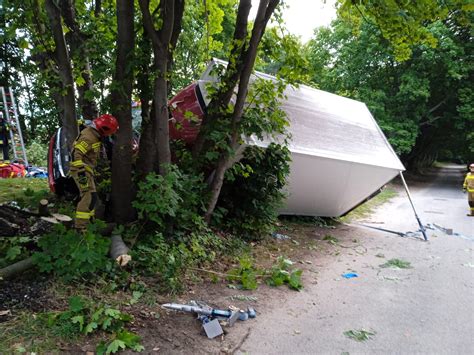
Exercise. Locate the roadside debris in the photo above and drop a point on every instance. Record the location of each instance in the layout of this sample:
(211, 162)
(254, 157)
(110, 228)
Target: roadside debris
(213, 319)
(468, 265)
(243, 298)
(397, 264)
(359, 335)
(280, 236)
(349, 275)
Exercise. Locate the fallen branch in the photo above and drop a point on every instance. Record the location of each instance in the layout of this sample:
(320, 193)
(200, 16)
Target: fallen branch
(16, 268)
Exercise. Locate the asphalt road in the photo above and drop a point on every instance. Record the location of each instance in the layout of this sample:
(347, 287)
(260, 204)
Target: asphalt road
(426, 309)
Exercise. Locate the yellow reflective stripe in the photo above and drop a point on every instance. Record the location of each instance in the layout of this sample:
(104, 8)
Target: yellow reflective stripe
(470, 190)
(470, 177)
(92, 213)
(83, 146)
(77, 163)
(83, 215)
(95, 145)
(89, 169)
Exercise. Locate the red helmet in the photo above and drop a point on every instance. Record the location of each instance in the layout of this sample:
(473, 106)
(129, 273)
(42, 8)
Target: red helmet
(106, 124)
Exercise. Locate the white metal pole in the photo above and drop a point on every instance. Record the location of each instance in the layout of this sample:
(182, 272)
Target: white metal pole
(422, 228)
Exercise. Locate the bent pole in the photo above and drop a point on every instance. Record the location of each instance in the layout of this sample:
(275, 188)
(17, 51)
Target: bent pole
(422, 228)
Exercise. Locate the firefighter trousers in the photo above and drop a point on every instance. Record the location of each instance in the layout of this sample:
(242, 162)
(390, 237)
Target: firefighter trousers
(85, 209)
(470, 200)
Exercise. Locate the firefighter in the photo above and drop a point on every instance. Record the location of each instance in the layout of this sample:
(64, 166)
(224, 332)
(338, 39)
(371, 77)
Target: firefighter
(4, 139)
(469, 186)
(85, 153)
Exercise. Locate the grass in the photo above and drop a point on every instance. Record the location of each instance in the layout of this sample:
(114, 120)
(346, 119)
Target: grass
(359, 335)
(397, 263)
(23, 190)
(28, 332)
(367, 208)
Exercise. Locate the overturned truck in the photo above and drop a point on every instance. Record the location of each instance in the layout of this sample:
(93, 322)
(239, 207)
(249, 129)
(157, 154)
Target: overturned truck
(340, 156)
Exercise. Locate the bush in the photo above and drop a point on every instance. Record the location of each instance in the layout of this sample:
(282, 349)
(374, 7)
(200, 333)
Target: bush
(70, 255)
(172, 203)
(37, 153)
(252, 194)
(169, 259)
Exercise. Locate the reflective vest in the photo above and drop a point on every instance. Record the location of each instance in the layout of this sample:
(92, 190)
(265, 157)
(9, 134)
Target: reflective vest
(469, 182)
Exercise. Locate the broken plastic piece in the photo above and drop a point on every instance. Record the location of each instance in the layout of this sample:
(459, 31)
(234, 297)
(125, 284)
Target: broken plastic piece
(350, 275)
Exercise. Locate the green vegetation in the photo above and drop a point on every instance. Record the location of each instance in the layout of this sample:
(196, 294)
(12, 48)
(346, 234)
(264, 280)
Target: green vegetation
(283, 272)
(26, 192)
(70, 255)
(368, 207)
(37, 152)
(359, 335)
(40, 332)
(397, 264)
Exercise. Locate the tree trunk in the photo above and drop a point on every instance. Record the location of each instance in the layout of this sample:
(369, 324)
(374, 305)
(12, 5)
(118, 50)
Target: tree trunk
(160, 103)
(65, 72)
(147, 149)
(75, 39)
(171, 12)
(247, 60)
(122, 193)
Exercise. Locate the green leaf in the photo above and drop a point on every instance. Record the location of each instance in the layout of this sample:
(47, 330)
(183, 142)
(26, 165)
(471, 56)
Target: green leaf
(114, 346)
(80, 80)
(80, 320)
(13, 252)
(295, 280)
(114, 313)
(90, 327)
(76, 304)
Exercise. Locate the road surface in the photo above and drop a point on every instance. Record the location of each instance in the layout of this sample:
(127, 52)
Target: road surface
(427, 309)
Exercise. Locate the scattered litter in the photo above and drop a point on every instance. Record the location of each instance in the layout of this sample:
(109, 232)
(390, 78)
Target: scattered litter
(397, 264)
(308, 262)
(380, 255)
(391, 278)
(468, 265)
(297, 332)
(36, 172)
(280, 236)
(243, 298)
(5, 313)
(211, 317)
(359, 335)
(349, 275)
(295, 242)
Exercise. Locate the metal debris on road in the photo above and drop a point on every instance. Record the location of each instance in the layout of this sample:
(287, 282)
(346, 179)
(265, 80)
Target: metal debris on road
(211, 317)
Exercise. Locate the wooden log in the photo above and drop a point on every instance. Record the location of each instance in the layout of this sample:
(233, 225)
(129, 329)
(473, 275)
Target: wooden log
(43, 208)
(119, 251)
(16, 268)
(63, 219)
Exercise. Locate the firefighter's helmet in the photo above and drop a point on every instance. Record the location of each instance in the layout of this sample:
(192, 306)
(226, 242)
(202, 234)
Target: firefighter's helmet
(106, 124)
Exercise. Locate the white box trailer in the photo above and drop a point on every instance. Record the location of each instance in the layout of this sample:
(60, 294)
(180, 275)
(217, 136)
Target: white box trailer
(340, 156)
